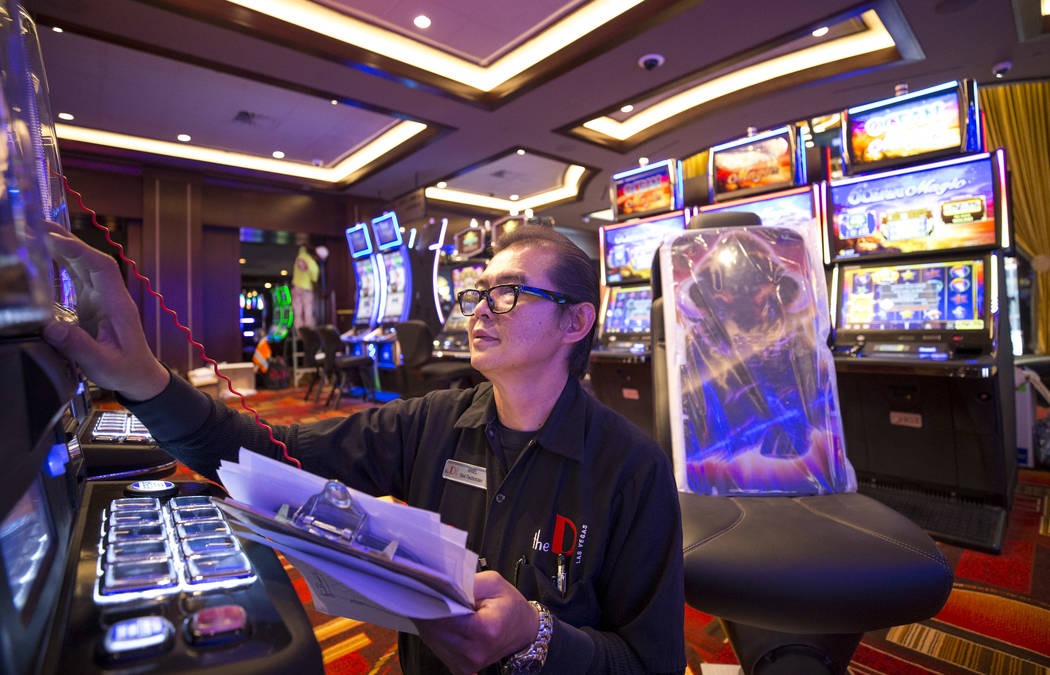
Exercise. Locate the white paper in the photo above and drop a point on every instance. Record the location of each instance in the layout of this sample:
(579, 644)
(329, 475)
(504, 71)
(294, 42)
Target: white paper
(343, 583)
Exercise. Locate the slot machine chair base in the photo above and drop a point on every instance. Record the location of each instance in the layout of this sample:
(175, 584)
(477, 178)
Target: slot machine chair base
(797, 581)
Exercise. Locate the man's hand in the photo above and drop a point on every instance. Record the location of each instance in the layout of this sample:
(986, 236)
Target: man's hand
(109, 344)
(503, 624)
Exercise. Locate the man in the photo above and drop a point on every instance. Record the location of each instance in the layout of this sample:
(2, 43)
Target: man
(304, 274)
(577, 509)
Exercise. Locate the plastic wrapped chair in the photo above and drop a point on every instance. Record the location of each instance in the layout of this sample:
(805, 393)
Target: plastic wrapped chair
(777, 543)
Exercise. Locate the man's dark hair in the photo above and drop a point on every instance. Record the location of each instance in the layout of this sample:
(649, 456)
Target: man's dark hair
(571, 274)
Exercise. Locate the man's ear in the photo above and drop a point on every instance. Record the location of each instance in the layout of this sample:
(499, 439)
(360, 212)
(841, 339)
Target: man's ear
(578, 321)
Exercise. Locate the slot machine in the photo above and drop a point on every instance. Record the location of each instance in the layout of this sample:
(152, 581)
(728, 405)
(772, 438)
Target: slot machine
(460, 271)
(922, 340)
(366, 277)
(103, 576)
(648, 201)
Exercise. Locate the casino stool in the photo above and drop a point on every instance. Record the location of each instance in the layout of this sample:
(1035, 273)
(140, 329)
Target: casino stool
(797, 580)
(311, 346)
(417, 350)
(339, 366)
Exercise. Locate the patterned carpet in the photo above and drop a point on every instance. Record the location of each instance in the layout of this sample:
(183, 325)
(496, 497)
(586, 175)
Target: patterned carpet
(997, 619)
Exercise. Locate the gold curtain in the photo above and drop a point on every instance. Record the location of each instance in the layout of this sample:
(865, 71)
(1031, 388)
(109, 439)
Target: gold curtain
(1018, 119)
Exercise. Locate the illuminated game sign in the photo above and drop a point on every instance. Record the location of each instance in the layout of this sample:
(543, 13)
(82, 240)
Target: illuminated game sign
(358, 241)
(919, 296)
(628, 249)
(945, 206)
(649, 189)
(397, 279)
(920, 125)
(463, 278)
(755, 164)
(387, 231)
(469, 242)
(365, 308)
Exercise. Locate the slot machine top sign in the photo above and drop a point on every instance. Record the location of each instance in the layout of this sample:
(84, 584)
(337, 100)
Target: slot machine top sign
(653, 188)
(755, 164)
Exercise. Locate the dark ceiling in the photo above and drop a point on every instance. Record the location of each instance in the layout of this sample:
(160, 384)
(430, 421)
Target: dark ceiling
(157, 68)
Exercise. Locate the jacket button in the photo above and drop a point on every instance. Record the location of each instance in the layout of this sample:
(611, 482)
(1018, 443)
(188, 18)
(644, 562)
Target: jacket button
(500, 497)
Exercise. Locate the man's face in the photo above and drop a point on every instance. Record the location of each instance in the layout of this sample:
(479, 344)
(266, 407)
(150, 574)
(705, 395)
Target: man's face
(527, 337)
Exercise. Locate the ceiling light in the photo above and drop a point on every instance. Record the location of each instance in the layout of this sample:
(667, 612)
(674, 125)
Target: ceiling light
(242, 261)
(267, 285)
(869, 41)
(442, 184)
(319, 19)
(387, 141)
(627, 108)
(284, 273)
(521, 151)
(569, 189)
(185, 138)
(277, 154)
(821, 32)
(514, 198)
(422, 21)
(56, 29)
(65, 116)
(643, 161)
(334, 101)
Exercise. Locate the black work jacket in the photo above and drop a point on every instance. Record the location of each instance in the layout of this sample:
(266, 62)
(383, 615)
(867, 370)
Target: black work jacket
(590, 487)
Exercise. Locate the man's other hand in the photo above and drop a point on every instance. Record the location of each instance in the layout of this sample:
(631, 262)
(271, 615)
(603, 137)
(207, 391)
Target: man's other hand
(503, 624)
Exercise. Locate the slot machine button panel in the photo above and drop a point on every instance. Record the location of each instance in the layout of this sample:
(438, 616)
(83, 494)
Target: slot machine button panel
(138, 637)
(217, 625)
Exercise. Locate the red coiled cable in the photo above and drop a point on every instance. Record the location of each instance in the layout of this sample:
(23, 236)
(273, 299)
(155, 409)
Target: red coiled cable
(175, 319)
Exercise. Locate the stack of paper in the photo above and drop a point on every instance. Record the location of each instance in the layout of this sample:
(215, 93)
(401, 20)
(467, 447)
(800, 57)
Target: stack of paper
(359, 584)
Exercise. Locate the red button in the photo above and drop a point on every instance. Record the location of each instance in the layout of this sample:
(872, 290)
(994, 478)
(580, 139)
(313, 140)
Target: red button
(218, 624)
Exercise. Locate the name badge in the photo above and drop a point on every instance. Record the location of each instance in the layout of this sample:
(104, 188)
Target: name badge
(468, 474)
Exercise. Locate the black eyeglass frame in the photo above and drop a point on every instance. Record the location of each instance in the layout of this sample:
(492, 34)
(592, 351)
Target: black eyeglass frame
(553, 296)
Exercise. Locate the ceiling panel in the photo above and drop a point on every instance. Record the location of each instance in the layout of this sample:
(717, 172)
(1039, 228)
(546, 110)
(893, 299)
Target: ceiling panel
(523, 175)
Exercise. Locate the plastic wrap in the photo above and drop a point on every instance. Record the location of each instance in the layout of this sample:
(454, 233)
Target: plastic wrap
(753, 399)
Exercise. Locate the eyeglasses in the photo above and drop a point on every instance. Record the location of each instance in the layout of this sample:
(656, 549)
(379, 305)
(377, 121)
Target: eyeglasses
(502, 298)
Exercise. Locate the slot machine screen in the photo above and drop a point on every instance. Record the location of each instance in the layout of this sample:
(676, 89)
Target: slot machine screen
(462, 279)
(396, 286)
(650, 189)
(358, 241)
(755, 164)
(628, 311)
(905, 129)
(628, 249)
(946, 206)
(502, 229)
(387, 231)
(27, 537)
(943, 295)
(364, 268)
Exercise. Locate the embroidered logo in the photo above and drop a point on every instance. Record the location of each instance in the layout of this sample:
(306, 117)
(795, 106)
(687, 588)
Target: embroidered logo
(567, 539)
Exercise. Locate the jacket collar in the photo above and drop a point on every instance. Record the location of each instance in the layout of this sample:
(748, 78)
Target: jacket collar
(562, 433)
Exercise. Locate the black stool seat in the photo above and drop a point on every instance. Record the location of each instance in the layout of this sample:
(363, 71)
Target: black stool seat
(838, 563)
(349, 361)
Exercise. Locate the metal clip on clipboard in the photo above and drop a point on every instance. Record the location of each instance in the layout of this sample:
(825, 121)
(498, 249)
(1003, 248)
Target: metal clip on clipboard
(333, 514)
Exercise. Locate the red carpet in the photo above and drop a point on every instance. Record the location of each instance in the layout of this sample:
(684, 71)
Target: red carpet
(997, 619)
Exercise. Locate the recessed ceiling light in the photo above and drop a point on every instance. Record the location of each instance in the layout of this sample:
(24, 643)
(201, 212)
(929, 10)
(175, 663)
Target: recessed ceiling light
(627, 108)
(185, 138)
(334, 101)
(514, 198)
(442, 184)
(643, 161)
(277, 154)
(821, 32)
(65, 116)
(422, 21)
(242, 261)
(284, 273)
(267, 285)
(521, 151)
(56, 29)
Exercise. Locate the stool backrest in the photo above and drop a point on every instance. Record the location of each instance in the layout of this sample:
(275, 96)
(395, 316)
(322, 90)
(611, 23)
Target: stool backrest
(752, 399)
(417, 342)
(311, 345)
(331, 345)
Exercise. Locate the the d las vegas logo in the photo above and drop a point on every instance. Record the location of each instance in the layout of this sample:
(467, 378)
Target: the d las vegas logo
(567, 540)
